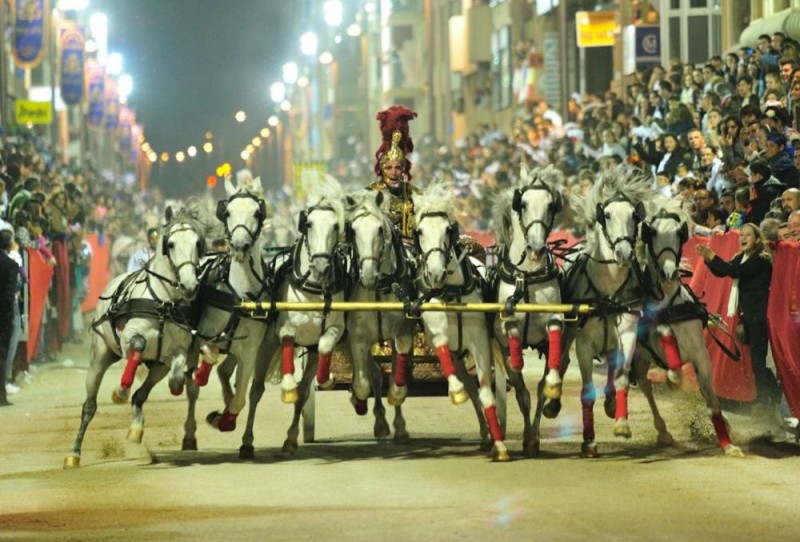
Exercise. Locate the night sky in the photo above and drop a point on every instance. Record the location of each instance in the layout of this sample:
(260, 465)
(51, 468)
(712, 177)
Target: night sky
(195, 63)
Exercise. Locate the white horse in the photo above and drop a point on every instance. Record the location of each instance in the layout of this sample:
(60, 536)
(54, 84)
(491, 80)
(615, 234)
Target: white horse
(606, 274)
(526, 272)
(671, 329)
(225, 335)
(318, 274)
(444, 275)
(380, 259)
(146, 316)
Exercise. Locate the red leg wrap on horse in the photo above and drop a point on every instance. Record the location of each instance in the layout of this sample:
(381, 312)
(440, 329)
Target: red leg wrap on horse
(400, 366)
(587, 410)
(445, 360)
(670, 345)
(494, 423)
(287, 361)
(227, 422)
(554, 349)
(622, 404)
(721, 430)
(324, 368)
(515, 354)
(134, 358)
(202, 373)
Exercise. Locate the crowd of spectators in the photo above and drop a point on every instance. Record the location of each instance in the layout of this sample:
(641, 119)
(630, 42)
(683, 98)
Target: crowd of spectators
(47, 210)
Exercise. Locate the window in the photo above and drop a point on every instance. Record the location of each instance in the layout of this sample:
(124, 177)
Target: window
(502, 69)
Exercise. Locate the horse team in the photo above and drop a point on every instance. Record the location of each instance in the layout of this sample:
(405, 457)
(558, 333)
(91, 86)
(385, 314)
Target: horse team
(180, 314)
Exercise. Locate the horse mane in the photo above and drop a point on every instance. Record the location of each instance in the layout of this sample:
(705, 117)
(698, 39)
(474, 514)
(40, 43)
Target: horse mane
(623, 180)
(437, 197)
(195, 213)
(672, 206)
(325, 189)
(549, 175)
(364, 200)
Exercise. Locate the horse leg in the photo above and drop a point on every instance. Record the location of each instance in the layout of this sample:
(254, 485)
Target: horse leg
(157, 371)
(702, 366)
(209, 356)
(225, 371)
(515, 361)
(102, 359)
(359, 354)
(483, 361)
(437, 327)
(381, 428)
(609, 391)
(668, 342)
(190, 425)
(303, 391)
(552, 385)
(403, 350)
(133, 358)
(627, 328)
(269, 345)
(664, 436)
(473, 393)
(289, 392)
(524, 403)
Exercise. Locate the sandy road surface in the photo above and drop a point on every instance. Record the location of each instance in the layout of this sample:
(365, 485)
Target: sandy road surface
(348, 487)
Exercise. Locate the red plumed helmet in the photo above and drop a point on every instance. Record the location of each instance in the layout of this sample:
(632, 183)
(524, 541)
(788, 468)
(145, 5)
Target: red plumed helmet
(397, 143)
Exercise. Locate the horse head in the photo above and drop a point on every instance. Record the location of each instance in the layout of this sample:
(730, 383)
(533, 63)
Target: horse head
(243, 214)
(369, 231)
(319, 226)
(181, 246)
(435, 232)
(536, 204)
(663, 237)
(618, 219)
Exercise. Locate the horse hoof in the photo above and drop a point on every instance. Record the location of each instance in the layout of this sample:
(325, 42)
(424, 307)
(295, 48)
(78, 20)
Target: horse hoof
(610, 406)
(360, 406)
(623, 430)
(531, 449)
(552, 391)
(290, 397)
(176, 391)
(327, 385)
(402, 438)
(458, 397)
(289, 447)
(589, 451)
(189, 445)
(665, 439)
(552, 408)
(731, 450)
(119, 398)
(674, 380)
(135, 434)
(213, 419)
(500, 455)
(227, 422)
(486, 445)
(381, 430)
(247, 452)
(72, 462)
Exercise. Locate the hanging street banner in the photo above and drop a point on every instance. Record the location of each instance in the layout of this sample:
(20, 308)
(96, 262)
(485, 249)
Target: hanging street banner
(127, 118)
(596, 28)
(29, 23)
(33, 112)
(95, 93)
(71, 42)
(111, 104)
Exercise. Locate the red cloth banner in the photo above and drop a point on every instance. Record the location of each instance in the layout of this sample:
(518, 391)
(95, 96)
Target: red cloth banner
(99, 274)
(730, 380)
(63, 294)
(39, 276)
(783, 314)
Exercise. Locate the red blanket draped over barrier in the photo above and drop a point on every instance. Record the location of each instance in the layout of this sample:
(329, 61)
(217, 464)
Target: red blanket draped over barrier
(39, 276)
(784, 320)
(63, 301)
(730, 379)
(99, 274)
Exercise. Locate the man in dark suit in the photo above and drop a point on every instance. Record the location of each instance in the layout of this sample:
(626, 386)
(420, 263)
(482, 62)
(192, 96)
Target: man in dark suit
(9, 272)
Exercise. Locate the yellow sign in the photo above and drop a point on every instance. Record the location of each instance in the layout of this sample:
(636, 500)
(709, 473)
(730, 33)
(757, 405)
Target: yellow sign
(34, 112)
(596, 28)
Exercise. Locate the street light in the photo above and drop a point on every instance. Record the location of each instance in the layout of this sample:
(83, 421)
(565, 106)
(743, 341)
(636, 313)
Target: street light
(325, 58)
(114, 63)
(245, 155)
(256, 141)
(192, 151)
(286, 105)
(290, 73)
(277, 92)
(98, 24)
(208, 147)
(240, 116)
(124, 86)
(353, 30)
(332, 12)
(309, 44)
(302, 82)
(72, 5)
(179, 156)
(264, 133)
(273, 121)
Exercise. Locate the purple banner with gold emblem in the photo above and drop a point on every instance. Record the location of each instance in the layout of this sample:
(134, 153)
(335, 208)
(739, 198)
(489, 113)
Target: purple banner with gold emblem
(29, 20)
(112, 104)
(95, 93)
(72, 56)
(125, 131)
